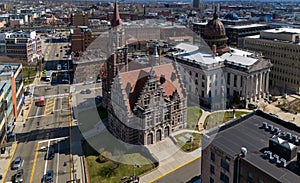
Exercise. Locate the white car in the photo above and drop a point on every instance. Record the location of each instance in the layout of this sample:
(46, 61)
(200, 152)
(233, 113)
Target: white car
(58, 67)
(44, 148)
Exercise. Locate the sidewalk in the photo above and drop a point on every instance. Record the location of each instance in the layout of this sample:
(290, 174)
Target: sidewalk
(77, 153)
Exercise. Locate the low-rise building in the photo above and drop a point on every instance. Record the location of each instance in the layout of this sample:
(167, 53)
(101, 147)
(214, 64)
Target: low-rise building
(212, 81)
(11, 92)
(23, 45)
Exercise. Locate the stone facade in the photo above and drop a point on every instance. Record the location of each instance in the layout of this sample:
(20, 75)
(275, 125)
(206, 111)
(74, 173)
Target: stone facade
(282, 48)
(147, 105)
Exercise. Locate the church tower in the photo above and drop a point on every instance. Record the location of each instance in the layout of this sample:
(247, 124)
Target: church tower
(117, 54)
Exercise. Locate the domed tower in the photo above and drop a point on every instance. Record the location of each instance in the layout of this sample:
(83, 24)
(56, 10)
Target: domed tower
(215, 34)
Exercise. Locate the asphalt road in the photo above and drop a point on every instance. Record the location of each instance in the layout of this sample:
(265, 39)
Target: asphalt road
(46, 126)
(183, 174)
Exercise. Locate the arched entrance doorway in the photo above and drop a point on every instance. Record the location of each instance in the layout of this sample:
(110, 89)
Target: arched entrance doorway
(158, 135)
(167, 131)
(150, 138)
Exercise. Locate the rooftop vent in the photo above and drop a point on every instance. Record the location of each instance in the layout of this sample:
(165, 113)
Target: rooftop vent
(244, 151)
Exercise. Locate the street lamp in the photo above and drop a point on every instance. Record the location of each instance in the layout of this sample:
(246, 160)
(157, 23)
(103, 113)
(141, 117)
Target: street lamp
(134, 167)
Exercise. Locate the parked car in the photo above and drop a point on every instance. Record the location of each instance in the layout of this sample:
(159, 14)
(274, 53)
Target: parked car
(17, 163)
(252, 106)
(58, 67)
(10, 134)
(19, 176)
(26, 93)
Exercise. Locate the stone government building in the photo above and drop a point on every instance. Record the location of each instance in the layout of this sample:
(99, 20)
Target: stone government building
(147, 104)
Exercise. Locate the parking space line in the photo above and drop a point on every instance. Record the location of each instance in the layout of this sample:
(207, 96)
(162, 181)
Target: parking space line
(13, 153)
(34, 162)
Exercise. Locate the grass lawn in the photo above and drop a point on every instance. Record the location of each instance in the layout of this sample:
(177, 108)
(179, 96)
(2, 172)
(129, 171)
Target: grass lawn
(111, 171)
(28, 74)
(189, 146)
(193, 115)
(220, 117)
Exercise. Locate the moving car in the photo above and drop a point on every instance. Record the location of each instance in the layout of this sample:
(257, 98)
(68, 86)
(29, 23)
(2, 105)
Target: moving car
(17, 163)
(19, 176)
(49, 176)
(50, 154)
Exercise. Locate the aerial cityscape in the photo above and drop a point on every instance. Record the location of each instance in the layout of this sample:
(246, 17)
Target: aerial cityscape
(134, 91)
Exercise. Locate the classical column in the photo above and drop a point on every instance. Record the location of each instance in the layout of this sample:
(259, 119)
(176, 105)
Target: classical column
(267, 82)
(260, 91)
(250, 88)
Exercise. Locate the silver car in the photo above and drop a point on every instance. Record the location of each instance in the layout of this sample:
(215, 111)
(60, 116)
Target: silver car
(17, 163)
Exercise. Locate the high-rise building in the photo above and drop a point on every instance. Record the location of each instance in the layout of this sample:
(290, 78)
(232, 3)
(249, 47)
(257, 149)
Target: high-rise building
(257, 147)
(282, 47)
(81, 38)
(196, 4)
(79, 19)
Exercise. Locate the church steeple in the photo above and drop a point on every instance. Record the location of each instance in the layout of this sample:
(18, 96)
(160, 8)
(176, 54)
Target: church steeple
(116, 21)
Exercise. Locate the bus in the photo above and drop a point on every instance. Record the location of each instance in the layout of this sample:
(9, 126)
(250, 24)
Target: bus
(42, 101)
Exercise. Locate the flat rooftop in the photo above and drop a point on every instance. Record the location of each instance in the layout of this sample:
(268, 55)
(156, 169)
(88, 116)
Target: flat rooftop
(245, 26)
(7, 69)
(247, 132)
(284, 30)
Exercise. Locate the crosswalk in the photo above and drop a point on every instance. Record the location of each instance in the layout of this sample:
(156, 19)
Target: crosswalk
(49, 107)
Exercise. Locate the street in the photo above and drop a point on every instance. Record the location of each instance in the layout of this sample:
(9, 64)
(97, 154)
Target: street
(45, 128)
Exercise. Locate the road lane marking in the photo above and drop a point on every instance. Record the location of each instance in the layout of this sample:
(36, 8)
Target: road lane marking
(46, 163)
(180, 166)
(34, 162)
(49, 140)
(13, 153)
(57, 161)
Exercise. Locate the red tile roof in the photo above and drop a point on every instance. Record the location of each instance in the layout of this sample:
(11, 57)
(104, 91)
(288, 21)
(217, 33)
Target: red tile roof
(137, 79)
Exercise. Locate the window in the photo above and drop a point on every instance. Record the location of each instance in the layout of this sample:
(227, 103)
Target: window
(146, 100)
(202, 84)
(203, 77)
(260, 181)
(241, 81)
(212, 169)
(212, 156)
(196, 75)
(151, 86)
(224, 178)
(202, 93)
(225, 164)
(228, 78)
(211, 180)
(196, 82)
(250, 177)
(235, 80)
